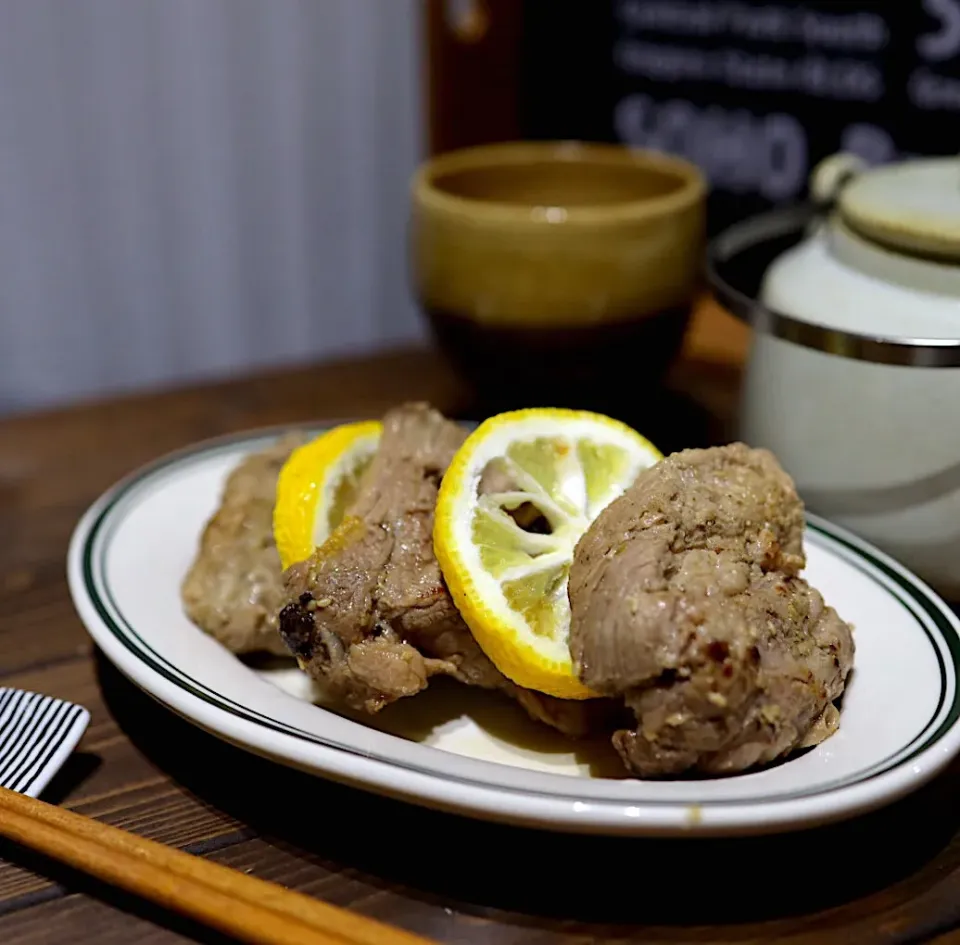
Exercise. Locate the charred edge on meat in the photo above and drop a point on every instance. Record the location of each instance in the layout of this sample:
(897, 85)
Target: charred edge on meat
(297, 627)
(665, 680)
(718, 651)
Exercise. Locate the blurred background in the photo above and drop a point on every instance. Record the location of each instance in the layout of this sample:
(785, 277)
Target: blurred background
(189, 188)
(192, 188)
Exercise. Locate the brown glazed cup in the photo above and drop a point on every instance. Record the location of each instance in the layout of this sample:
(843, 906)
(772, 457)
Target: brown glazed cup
(557, 273)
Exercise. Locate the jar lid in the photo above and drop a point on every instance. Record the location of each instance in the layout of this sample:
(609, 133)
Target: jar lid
(911, 207)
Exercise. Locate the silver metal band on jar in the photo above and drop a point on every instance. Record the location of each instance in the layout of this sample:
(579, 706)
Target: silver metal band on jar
(727, 249)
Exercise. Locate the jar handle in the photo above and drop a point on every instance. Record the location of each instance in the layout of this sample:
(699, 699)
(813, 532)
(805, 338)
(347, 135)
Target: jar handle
(832, 174)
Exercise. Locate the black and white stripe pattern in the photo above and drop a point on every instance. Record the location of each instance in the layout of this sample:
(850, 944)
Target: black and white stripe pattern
(37, 735)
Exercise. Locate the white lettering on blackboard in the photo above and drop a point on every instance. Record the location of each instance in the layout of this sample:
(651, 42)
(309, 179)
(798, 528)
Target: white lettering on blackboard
(869, 142)
(774, 23)
(684, 57)
(933, 92)
(943, 42)
(786, 158)
(842, 79)
(736, 149)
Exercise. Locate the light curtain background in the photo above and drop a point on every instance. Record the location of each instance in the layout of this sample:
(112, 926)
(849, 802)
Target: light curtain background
(194, 187)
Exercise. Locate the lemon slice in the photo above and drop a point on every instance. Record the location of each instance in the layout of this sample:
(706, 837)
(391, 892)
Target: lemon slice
(517, 497)
(316, 485)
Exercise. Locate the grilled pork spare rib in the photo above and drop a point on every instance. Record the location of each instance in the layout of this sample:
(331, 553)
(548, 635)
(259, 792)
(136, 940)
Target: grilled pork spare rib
(687, 602)
(234, 588)
(369, 614)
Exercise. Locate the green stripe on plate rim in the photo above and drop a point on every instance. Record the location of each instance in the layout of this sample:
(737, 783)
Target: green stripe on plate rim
(918, 602)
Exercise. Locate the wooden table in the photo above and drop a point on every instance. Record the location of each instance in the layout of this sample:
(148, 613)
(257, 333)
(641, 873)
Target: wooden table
(889, 878)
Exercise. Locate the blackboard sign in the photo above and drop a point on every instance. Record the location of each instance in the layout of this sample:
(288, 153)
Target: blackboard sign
(754, 92)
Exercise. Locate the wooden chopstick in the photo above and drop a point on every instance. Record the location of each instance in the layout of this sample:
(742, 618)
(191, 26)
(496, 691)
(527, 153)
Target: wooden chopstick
(243, 906)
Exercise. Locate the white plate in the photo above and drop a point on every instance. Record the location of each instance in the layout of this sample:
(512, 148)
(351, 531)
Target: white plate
(474, 752)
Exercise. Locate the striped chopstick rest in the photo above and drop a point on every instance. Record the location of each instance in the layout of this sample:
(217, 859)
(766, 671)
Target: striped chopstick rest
(37, 735)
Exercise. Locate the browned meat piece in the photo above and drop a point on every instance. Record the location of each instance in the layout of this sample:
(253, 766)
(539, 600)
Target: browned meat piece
(369, 613)
(686, 600)
(234, 588)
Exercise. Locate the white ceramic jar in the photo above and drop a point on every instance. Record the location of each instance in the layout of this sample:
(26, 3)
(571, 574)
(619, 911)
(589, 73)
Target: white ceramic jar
(853, 378)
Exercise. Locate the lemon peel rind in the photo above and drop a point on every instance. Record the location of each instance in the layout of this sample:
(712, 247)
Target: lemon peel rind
(307, 478)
